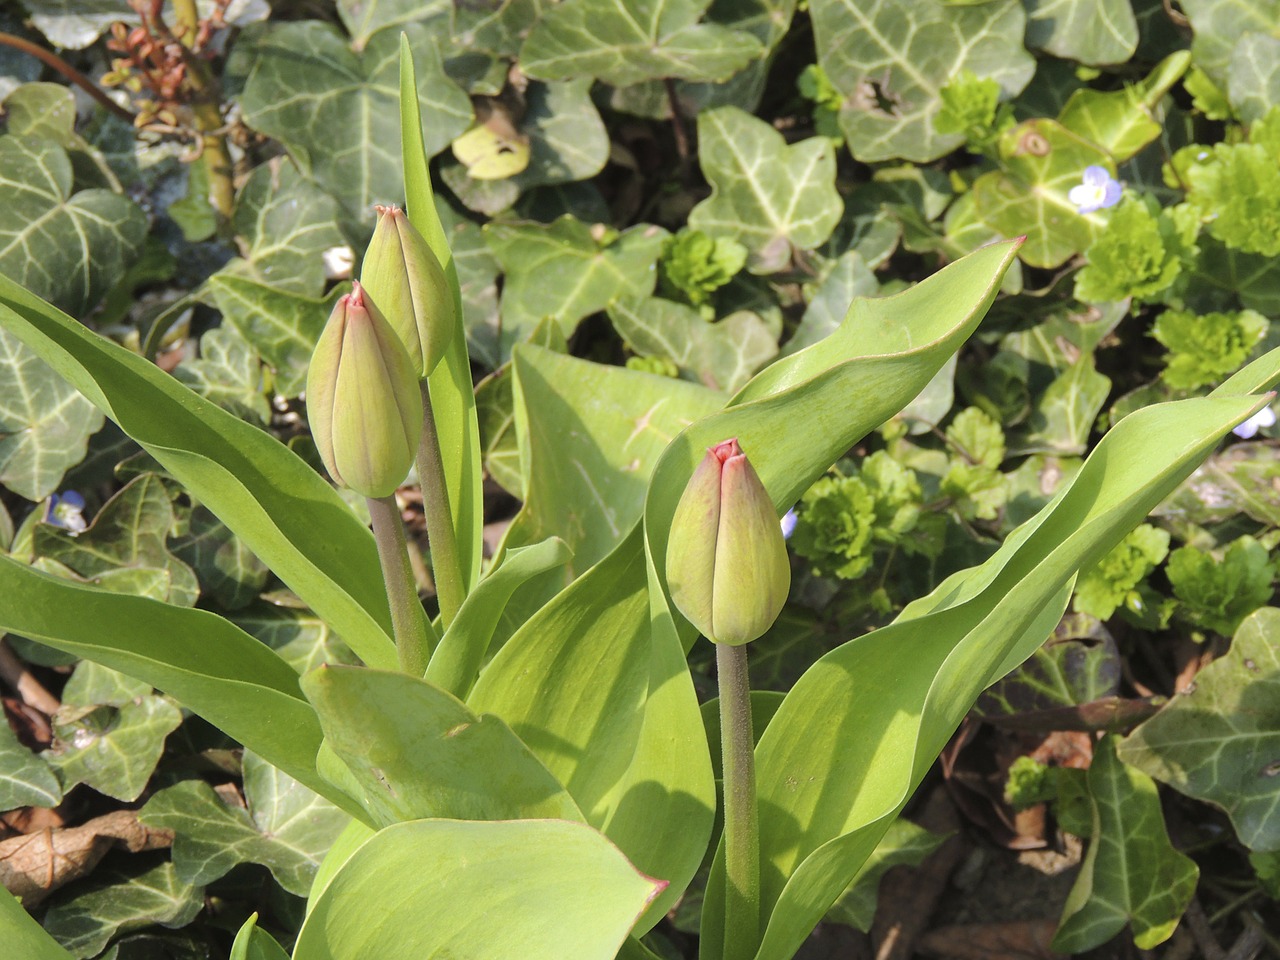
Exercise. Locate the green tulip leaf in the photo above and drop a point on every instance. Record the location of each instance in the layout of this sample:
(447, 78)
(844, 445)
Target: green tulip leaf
(205, 662)
(284, 826)
(1042, 161)
(68, 248)
(889, 60)
(307, 85)
(592, 265)
(1218, 25)
(622, 42)
(1131, 874)
(721, 355)
(25, 776)
(770, 196)
(45, 424)
(416, 751)
(1124, 121)
(1085, 30)
(120, 900)
(254, 943)
(281, 508)
(484, 891)
(24, 935)
(1253, 77)
(1218, 740)
(130, 531)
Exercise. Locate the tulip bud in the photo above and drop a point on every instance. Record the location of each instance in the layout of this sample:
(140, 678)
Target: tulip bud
(404, 278)
(727, 563)
(362, 399)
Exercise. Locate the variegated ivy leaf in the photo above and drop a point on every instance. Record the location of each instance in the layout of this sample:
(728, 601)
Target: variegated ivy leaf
(770, 197)
(1218, 740)
(568, 270)
(629, 41)
(722, 355)
(1218, 25)
(25, 777)
(337, 109)
(905, 844)
(287, 828)
(229, 373)
(303, 640)
(45, 423)
(1064, 414)
(889, 58)
(497, 27)
(1094, 32)
(130, 533)
(364, 18)
(848, 278)
(228, 570)
(1253, 78)
(119, 899)
(73, 24)
(68, 249)
(1042, 161)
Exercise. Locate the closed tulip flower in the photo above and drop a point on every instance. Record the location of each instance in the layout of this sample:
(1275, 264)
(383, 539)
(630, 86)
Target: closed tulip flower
(362, 399)
(404, 278)
(727, 563)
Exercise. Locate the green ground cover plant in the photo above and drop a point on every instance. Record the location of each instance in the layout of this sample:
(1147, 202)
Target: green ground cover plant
(975, 296)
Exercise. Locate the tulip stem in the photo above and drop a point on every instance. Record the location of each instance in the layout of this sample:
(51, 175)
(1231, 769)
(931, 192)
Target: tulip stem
(741, 830)
(413, 633)
(446, 566)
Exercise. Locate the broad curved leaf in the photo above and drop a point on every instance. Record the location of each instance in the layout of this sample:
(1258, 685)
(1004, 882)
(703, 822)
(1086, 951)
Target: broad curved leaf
(23, 934)
(1089, 31)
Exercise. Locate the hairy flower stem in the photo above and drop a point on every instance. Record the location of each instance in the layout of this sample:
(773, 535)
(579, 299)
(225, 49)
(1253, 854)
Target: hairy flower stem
(741, 830)
(445, 563)
(413, 633)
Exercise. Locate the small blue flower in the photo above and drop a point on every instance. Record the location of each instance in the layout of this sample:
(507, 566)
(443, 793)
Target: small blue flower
(788, 523)
(1266, 417)
(65, 510)
(1097, 191)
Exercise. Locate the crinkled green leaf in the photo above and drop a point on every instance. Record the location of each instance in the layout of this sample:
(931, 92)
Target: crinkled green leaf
(308, 88)
(1131, 874)
(130, 531)
(1042, 161)
(890, 58)
(25, 776)
(772, 197)
(1218, 739)
(1105, 588)
(227, 569)
(286, 827)
(1124, 121)
(721, 355)
(228, 372)
(45, 424)
(1218, 590)
(628, 41)
(1089, 31)
(568, 270)
(1136, 255)
(1253, 75)
(1237, 188)
(118, 901)
(68, 248)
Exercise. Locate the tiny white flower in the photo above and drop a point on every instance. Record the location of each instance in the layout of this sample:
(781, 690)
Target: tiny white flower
(66, 510)
(1096, 191)
(1266, 417)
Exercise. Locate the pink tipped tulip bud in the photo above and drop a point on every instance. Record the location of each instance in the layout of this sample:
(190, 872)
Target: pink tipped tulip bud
(404, 278)
(727, 563)
(363, 400)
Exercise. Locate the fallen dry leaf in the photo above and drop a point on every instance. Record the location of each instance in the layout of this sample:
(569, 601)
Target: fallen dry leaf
(1019, 940)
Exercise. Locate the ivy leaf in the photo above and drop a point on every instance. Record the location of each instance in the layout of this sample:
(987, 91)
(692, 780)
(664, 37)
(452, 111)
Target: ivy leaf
(1092, 32)
(120, 900)
(568, 270)
(722, 355)
(129, 532)
(25, 776)
(286, 827)
(286, 224)
(68, 249)
(1243, 478)
(110, 732)
(890, 58)
(1064, 414)
(629, 41)
(904, 844)
(770, 197)
(1253, 77)
(307, 86)
(1042, 161)
(1131, 874)
(364, 18)
(1217, 26)
(229, 373)
(498, 27)
(1077, 665)
(73, 24)
(1124, 121)
(849, 278)
(45, 423)
(227, 569)
(1218, 739)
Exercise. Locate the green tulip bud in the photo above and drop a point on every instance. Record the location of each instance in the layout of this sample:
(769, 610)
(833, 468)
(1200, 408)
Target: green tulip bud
(363, 400)
(727, 563)
(404, 278)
